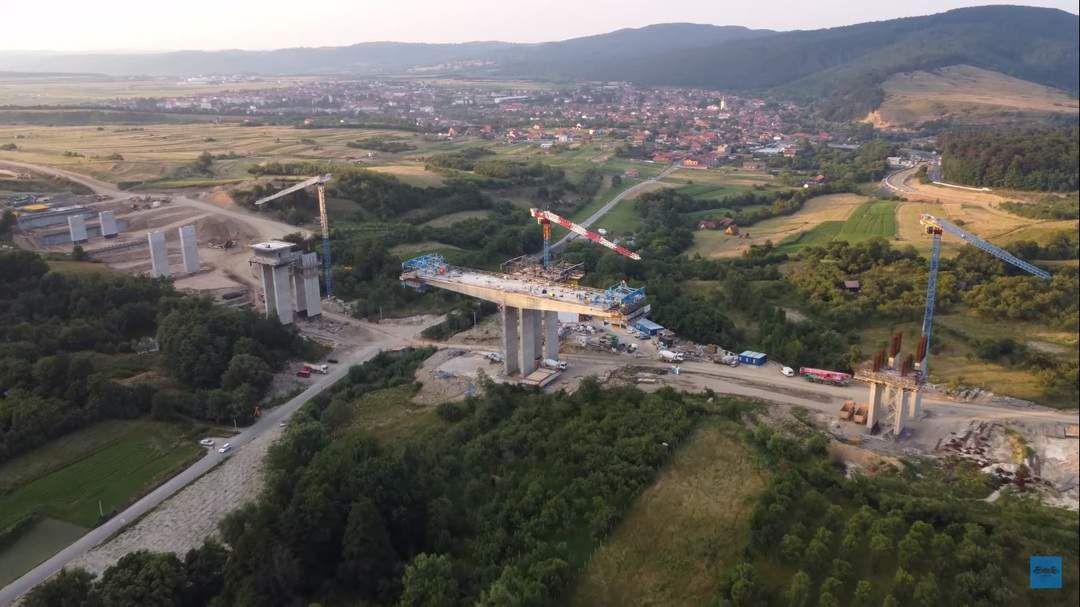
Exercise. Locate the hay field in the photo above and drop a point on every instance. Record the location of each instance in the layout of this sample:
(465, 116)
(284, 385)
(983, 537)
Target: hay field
(683, 531)
(72, 90)
(831, 207)
(871, 219)
(965, 94)
(412, 174)
(989, 222)
(153, 151)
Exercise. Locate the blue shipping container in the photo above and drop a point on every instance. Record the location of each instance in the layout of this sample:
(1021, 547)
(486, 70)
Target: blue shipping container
(648, 327)
(753, 358)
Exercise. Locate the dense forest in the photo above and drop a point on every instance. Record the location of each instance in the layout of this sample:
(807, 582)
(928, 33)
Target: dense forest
(59, 332)
(1046, 160)
(503, 501)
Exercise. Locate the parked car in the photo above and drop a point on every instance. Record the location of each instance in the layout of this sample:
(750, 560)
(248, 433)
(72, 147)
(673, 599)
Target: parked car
(788, 372)
(305, 372)
(207, 442)
(332, 361)
(225, 448)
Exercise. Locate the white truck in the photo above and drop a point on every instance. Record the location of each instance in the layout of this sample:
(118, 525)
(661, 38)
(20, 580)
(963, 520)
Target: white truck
(555, 365)
(671, 357)
(317, 368)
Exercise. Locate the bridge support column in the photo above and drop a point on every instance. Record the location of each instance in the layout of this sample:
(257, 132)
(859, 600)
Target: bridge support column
(530, 340)
(873, 405)
(900, 411)
(551, 335)
(916, 405)
(511, 337)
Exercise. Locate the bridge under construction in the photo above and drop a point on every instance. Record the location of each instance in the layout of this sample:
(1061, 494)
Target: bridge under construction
(530, 300)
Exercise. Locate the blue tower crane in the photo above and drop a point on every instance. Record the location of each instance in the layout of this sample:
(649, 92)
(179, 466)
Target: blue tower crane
(935, 227)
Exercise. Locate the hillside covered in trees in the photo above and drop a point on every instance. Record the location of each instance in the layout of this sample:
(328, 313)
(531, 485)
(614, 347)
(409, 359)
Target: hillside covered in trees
(502, 499)
(1046, 160)
(60, 334)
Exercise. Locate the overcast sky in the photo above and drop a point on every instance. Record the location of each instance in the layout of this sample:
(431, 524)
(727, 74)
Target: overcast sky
(68, 25)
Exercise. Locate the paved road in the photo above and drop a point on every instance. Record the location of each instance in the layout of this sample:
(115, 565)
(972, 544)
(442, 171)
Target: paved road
(611, 205)
(895, 181)
(268, 228)
(150, 501)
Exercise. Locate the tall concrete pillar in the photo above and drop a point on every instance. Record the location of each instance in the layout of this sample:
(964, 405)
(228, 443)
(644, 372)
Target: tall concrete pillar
(901, 409)
(310, 264)
(266, 279)
(551, 335)
(281, 295)
(300, 294)
(538, 330)
(159, 254)
(529, 335)
(511, 357)
(873, 404)
(77, 229)
(189, 248)
(108, 224)
(916, 405)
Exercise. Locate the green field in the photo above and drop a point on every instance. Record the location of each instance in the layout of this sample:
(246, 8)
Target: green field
(113, 462)
(684, 531)
(872, 219)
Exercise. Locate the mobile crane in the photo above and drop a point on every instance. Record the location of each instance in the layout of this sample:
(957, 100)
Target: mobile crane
(320, 187)
(935, 227)
(545, 219)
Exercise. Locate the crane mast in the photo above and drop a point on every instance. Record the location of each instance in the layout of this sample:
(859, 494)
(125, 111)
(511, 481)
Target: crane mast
(545, 219)
(935, 227)
(320, 188)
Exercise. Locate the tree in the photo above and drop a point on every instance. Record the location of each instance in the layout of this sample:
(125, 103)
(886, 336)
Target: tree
(890, 601)
(205, 569)
(745, 589)
(367, 554)
(429, 582)
(247, 369)
(915, 546)
(144, 579)
(863, 594)
(903, 584)
(798, 594)
(926, 591)
(69, 588)
(791, 548)
(880, 548)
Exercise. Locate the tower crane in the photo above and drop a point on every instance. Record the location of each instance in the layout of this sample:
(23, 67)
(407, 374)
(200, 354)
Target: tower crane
(545, 218)
(935, 227)
(320, 187)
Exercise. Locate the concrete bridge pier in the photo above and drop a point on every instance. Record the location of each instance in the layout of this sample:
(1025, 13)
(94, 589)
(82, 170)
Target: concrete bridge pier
(874, 409)
(531, 340)
(511, 357)
(551, 335)
(900, 410)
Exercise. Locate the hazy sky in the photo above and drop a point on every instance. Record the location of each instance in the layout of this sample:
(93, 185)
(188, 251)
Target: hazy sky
(260, 24)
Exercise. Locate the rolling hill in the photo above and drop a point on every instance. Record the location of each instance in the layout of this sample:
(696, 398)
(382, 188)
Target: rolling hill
(841, 69)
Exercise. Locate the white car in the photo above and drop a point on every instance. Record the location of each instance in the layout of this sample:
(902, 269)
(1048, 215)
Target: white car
(207, 442)
(788, 372)
(225, 448)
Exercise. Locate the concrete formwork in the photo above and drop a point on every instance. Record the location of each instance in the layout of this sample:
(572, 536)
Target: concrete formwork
(189, 248)
(511, 318)
(77, 228)
(108, 224)
(159, 255)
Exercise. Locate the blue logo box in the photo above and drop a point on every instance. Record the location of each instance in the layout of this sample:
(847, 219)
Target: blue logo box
(1045, 572)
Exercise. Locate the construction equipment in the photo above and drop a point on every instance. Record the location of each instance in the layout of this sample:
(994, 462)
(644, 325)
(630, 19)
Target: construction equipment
(935, 227)
(544, 218)
(320, 187)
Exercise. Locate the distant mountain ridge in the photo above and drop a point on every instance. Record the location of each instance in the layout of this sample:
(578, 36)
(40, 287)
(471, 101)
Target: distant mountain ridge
(840, 69)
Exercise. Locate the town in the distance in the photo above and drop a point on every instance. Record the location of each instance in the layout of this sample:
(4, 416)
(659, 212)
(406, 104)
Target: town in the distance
(670, 315)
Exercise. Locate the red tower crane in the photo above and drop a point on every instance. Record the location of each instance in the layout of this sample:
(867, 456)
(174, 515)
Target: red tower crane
(545, 218)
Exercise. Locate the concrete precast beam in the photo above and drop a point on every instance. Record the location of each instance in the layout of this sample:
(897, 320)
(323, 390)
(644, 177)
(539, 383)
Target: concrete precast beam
(511, 337)
(522, 300)
(551, 335)
(529, 335)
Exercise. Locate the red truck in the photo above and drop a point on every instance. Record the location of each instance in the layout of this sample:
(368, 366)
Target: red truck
(821, 376)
